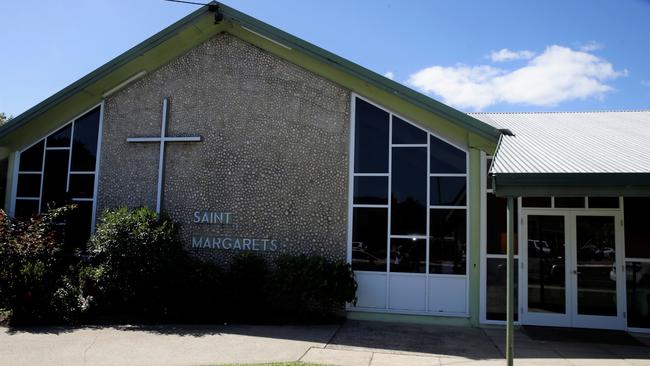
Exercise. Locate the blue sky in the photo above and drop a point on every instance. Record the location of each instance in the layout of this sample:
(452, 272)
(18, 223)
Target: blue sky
(474, 55)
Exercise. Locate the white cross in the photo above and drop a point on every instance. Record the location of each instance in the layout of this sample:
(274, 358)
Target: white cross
(162, 140)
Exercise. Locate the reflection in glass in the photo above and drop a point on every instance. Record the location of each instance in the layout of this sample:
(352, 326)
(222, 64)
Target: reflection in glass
(409, 191)
(448, 191)
(446, 158)
(31, 160)
(369, 231)
(370, 138)
(496, 225)
(546, 264)
(448, 241)
(596, 269)
(408, 255)
(495, 297)
(638, 294)
(371, 190)
(406, 133)
(84, 145)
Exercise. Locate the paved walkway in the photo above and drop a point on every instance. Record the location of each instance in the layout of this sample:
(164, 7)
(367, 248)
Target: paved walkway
(354, 343)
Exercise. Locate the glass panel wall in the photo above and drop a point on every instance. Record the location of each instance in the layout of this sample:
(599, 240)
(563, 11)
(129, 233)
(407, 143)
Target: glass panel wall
(61, 169)
(409, 197)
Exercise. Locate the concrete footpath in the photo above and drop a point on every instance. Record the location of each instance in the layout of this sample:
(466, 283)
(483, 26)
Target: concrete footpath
(354, 343)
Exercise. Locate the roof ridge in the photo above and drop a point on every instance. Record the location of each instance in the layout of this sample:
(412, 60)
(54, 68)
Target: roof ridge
(565, 112)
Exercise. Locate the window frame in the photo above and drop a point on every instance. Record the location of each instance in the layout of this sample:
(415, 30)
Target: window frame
(43, 138)
(351, 205)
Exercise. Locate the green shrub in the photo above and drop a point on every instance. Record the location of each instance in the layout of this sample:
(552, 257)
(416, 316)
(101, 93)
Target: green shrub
(139, 271)
(311, 288)
(37, 275)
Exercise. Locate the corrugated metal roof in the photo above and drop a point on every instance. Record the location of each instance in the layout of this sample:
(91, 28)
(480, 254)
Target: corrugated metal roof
(572, 142)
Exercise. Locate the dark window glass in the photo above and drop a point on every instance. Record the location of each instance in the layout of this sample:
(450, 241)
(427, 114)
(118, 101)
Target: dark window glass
(55, 179)
(406, 133)
(32, 158)
(369, 231)
(82, 185)
(408, 255)
(536, 202)
(446, 158)
(546, 264)
(26, 208)
(78, 225)
(29, 185)
(84, 145)
(495, 296)
(603, 202)
(448, 191)
(497, 241)
(4, 167)
(448, 241)
(409, 191)
(371, 190)
(569, 202)
(60, 138)
(638, 294)
(370, 139)
(637, 224)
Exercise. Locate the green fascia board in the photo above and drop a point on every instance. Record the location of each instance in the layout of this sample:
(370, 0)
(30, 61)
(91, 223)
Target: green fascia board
(179, 38)
(571, 184)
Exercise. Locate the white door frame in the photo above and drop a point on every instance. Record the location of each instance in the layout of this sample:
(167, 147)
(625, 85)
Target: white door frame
(571, 318)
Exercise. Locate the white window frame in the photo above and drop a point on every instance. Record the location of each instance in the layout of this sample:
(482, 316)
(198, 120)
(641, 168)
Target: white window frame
(389, 236)
(43, 138)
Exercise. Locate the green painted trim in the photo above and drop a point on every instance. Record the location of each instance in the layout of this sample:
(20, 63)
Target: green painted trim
(474, 235)
(196, 28)
(407, 318)
(571, 184)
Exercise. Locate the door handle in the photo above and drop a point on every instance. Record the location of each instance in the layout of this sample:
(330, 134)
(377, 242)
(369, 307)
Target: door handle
(575, 272)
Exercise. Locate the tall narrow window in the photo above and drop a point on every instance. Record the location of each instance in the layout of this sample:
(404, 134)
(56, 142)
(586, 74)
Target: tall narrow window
(61, 169)
(409, 197)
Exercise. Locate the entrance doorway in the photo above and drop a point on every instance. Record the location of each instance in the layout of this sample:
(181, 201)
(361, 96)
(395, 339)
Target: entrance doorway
(572, 269)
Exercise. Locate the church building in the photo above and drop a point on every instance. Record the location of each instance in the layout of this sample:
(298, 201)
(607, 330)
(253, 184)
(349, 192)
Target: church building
(253, 140)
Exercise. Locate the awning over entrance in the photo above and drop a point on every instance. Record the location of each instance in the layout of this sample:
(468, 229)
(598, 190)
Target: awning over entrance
(569, 154)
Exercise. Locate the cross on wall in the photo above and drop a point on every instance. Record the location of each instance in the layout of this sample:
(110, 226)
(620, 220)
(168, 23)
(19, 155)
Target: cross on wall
(162, 140)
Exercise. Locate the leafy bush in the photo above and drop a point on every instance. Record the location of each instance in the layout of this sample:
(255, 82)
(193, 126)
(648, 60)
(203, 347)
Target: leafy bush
(312, 288)
(133, 257)
(37, 275)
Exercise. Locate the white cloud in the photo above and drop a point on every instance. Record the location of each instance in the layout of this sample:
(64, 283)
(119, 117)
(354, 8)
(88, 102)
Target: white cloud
(645, 83)
(505, 54)
(591, 46)
(557, 75)
(389, 74)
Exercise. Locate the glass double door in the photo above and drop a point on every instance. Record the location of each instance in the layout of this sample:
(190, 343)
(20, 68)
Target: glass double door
(571, 272)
